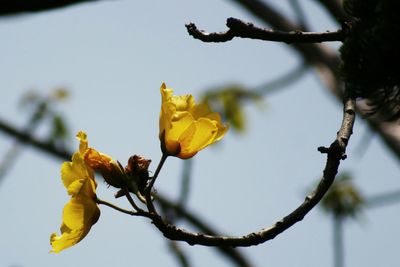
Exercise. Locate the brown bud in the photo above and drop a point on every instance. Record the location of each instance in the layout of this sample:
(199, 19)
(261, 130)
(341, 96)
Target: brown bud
(137, 169)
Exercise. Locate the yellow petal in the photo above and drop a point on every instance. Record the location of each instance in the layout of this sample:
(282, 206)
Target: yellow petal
(183, 102)
(65, 240)
(79, 215)
(201, 110)
(75, 170)
(75, 187)
(200, 134)
(83, 143)
(80, 212)
(176, 127)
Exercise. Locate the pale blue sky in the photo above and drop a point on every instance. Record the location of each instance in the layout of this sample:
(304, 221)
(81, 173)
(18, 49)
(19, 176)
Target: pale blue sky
(113, 57)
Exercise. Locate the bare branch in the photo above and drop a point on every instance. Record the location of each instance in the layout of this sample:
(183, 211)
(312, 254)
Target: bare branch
(238, 28)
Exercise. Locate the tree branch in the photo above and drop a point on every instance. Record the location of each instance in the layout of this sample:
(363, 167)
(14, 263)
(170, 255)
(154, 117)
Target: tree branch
(336, 152)
(238, 28)
(325, 61)
(231, 253)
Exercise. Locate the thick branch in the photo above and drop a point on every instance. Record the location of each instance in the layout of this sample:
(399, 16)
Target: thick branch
(238, 28)
(335, 152)
(231, 253)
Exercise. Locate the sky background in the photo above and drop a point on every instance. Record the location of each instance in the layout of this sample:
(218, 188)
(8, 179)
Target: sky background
(113, 56)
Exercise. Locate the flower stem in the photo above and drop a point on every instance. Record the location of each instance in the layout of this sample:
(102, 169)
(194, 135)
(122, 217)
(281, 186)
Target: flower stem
(103, 202)
(153, 179)
(149, 203)
(131, 201)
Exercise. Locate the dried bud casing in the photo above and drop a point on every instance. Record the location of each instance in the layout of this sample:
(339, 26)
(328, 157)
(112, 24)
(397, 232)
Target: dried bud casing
(137, 169)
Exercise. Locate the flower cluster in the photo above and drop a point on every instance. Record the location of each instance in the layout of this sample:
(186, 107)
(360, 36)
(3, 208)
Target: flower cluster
(185, 129)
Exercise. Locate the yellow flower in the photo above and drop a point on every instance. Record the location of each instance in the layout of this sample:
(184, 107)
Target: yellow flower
(187, 127)
(81, 212)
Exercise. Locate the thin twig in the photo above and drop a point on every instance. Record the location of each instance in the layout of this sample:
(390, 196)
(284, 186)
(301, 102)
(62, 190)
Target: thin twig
(102, 202)
(130, 199)
(238, 28)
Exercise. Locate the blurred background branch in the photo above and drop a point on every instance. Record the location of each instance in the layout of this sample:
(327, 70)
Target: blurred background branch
(14, 7)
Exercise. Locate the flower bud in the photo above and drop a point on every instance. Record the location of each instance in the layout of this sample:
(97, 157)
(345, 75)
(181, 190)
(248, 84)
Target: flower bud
(137, 169)
(110, 169)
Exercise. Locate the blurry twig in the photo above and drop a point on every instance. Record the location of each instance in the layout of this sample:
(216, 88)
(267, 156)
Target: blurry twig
(365, 143)
(185, 182)
(338, 244)
(176, 249)
(13, 7)
(179, 253)
(41, 108)
(298, 10)
(283, 81)
(334, 7)
(28, 139)
(11, 155)
(383, 199)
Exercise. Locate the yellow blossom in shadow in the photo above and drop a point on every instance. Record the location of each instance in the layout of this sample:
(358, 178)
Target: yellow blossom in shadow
(81, 212)
(187, 127)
